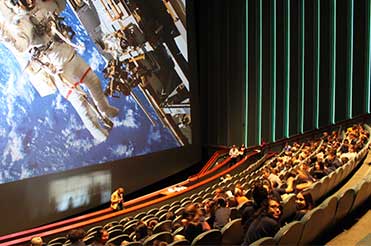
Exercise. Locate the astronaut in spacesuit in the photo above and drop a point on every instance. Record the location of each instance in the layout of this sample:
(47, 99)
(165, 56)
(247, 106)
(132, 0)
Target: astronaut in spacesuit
(31, 26)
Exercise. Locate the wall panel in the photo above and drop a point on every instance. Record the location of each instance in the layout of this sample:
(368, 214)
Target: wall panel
(267, 64)
(295, 66)
(325, 58)
(307, 65)
(359, 58)
(280, 68)
(341, 58)
(253, 29)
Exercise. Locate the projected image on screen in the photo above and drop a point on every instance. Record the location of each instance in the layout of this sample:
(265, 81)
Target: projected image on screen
(88, 82)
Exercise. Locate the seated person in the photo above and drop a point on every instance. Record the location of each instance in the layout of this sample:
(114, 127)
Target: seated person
(351, 154)
(271, 175)
(289, 183)
(303, 179)
(239, 186)
(100, 238)
(141, 233)
(260, 200)
(219, 193)
(240, 197)
(318, 171)
(209, 208)
(231, 201)
(266, 223)
(271, 192)
(117, 199)
(344, 147)
(151, 223)
(170, 216)
(222, 214)
(76, 237)
(304, 203)
(332, 161)
(193, 226)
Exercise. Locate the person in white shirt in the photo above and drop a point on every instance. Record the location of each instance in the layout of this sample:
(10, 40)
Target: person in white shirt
(234, 153)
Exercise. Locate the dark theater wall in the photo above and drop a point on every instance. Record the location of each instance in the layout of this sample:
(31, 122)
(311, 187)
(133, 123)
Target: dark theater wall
(270, 69)
(221, 51)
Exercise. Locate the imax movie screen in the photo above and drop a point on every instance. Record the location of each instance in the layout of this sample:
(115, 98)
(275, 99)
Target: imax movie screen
(85, 82)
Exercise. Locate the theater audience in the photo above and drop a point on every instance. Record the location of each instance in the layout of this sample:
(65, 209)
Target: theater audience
(344, 147)
(332, 161)
(305, 167)
(264, 223)
(222, 213)
(231, 201)
(239, 186)
(271, 175)
(260, 199)
(100, 238)
(303, 179)
(170, 216)
(76, 237)
(293, 171)
(304, 203)
(219, 193)
(271, 192)
(318, 170)
(141, 232)
(350, 155)
(210, 207)
(193, 226)
(240, 197)
(152, 223)
(290, 183)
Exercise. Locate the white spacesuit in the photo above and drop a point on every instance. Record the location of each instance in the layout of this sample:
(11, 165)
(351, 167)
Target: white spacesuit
(24, 29)
(112, 45)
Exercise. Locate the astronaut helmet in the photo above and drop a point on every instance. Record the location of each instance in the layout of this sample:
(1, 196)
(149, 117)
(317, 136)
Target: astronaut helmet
(24, 4)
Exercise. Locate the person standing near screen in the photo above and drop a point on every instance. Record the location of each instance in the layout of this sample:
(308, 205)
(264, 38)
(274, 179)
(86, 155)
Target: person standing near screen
(34, 27)
(234, 153)
(36, 241)
(117, 199)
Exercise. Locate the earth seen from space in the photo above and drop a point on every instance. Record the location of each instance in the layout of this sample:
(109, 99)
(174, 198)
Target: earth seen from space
(42, 135)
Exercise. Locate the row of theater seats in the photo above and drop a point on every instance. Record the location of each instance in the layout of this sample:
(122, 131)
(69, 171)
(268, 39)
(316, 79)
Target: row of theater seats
(323, 218)
(330, 212)
(314, 224)
(231, 233)
(124, 229)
